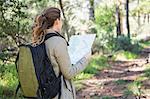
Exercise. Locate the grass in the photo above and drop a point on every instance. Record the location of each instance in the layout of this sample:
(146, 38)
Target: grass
(125, 55)
(108, 97)
(135, 87)
(130, 55)
(147, 71)
(94, 97)
(145, 44)
(121, 82)
(127, 92)
(83, 76)
(8, 79)
(78, 85)
(96, 64)
(141, 78)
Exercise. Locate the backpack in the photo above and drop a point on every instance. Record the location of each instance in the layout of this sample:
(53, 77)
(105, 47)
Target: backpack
(36, 76)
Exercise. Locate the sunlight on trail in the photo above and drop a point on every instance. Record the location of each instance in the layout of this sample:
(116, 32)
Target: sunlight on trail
(114, 81)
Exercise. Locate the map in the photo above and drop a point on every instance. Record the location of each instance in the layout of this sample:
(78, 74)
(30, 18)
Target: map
(79, 46)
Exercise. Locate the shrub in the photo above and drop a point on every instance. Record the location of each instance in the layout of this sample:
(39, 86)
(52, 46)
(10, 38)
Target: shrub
(124, 43)
(97, 63)
(104, 25)
(8, 79)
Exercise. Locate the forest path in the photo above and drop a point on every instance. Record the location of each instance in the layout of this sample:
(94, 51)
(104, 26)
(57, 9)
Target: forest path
(112, 83)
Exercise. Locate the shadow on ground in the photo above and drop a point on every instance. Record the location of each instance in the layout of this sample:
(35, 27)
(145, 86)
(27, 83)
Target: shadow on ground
(112, 83)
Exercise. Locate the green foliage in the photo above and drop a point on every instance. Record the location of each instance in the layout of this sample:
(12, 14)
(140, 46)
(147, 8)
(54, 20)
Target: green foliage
(105, 25)
(135, 88)
(16, 18)
(78, 85)
(127, 92)
(83, 76)
(124, 43)
(8, 79)
(125, 55)
(108, 97)
(147, 72)
(121, 82)
(142, 8)
(130, 55)
(91, 70)
(13, 17)
(145, 44)
(96, 64)
(105, 18)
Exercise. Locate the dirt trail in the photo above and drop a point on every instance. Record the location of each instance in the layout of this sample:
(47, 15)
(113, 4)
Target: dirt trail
(108, 81)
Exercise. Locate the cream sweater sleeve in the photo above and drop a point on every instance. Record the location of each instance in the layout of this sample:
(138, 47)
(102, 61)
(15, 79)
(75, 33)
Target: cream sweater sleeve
(63, 60)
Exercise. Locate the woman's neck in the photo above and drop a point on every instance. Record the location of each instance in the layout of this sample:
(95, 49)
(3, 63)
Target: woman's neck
(50, 30)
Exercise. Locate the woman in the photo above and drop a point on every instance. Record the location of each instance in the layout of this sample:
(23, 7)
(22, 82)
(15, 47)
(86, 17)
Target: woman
(50, 22)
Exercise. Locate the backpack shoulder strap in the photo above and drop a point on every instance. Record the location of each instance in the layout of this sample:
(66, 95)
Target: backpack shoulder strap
(49, 35)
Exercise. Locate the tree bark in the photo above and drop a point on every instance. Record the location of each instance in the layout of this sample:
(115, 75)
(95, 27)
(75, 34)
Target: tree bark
(138, 15)
(91, 10)
(144, 18)
(148, 16)
(66, 26)
(118, 23)
(127, 18)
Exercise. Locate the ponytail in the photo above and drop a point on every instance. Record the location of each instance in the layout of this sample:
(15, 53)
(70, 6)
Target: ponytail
(38, 30)
(43, 22)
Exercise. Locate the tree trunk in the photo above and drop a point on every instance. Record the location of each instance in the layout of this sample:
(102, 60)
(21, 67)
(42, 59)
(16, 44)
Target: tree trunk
(118, 23)
(144, 18)
(127, 18)
(91, 10)
(66, 26)
(148, 18)
(139, 15)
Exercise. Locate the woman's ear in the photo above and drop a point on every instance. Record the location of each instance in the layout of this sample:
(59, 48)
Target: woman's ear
(57, 25)
(56, 22)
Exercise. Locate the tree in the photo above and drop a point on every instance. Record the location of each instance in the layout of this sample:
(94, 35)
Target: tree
(118, 23)
(127, 18)
(105, 25)
(91, 10)
(119, 18)
(13, 20)
(66, 26)
(138, 14)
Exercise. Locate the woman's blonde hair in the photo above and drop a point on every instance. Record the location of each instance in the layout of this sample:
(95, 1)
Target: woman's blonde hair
(43, 22)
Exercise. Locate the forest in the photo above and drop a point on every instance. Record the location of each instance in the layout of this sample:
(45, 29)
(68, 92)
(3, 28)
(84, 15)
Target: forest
(119, 68)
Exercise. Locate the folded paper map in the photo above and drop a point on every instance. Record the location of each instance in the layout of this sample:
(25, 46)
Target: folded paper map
(79, 46)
